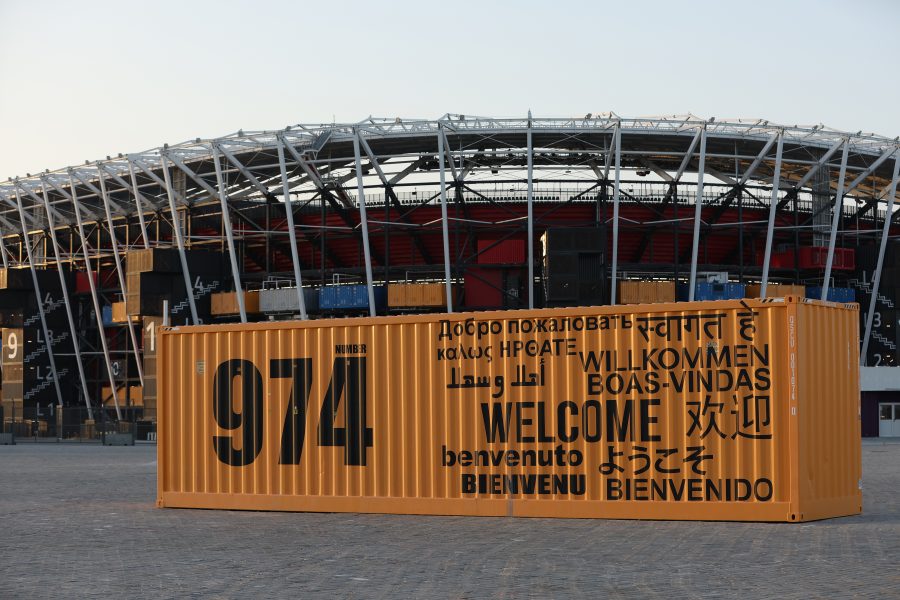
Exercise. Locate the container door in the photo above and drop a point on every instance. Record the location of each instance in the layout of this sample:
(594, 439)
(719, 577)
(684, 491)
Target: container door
(889, 420)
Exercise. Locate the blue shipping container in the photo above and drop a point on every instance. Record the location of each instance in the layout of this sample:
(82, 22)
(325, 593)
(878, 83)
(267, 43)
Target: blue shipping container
(704, 291)
(835, 294)
(733, 291)
(713, 291)
(351, 297)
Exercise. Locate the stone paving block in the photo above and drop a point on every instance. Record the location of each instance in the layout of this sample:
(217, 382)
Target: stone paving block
(79, 521)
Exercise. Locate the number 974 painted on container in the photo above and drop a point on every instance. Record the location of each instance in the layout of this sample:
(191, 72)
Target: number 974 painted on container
(240, 378)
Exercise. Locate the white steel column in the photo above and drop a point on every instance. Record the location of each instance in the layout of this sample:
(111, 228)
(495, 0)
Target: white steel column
(3, 251)
(444, 227)
(65, 294)
(364, 224)
(104, 196)
(137, 202)
(292, 232)
(835, 219)
(876, 278)
(39, 296)
(94, 297)
(530, 215)
(179, 239)
(697, 210)
(229, 235)
(617, 140)
(773, 203)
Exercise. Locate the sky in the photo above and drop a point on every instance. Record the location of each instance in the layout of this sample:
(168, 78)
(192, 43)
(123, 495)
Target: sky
(82, 80)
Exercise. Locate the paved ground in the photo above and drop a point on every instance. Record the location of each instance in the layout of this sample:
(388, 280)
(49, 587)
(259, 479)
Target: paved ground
(78, 521)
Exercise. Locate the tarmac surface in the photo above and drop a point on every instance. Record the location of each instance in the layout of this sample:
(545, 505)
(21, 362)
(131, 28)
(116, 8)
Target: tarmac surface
(79, 521)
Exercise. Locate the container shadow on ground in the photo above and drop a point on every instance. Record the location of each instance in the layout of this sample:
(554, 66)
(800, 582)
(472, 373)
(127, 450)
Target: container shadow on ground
(80, 521)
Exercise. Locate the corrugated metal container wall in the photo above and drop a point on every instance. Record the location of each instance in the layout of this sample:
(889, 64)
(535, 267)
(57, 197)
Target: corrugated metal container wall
(401, 295)
(629, 291)
(118, 313)
(733, 410)
(162, 260)
(351, 297)
(829, 460)
(226, 303)
(135, 395)
(646, 292)
(435, 294)
(501, 252)
(404, 294)
(286, 300)
(774, 290)
(835, 294)
(705, 291)
(816, 257)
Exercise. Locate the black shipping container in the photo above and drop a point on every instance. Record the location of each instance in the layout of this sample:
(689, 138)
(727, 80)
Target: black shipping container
(21, 279)
(203, 262)
(157, 260)
(885, 337)
(575, 239)
(564, 263)
(27, 375)
(867, 255)
(513, 290)
(204, 285)
(575, 267)
(148, 290)
(168, 260)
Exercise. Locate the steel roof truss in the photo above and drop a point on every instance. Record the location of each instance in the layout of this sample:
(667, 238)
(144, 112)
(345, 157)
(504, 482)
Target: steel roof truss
(95, 215)
(147, 170)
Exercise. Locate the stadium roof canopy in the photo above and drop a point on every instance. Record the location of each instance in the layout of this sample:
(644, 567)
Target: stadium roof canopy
(249, 165)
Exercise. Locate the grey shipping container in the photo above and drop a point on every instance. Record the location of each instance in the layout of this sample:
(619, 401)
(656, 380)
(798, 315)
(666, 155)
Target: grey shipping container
(285, 300)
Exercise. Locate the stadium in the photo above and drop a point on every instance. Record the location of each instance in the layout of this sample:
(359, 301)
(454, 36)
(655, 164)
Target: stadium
(461, 213)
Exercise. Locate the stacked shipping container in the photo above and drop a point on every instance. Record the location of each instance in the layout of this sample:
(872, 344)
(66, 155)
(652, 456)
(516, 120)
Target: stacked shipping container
(28, 387)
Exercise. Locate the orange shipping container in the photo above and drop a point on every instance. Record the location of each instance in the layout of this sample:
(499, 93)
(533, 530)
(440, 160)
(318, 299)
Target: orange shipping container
(118, 312)
(135, 393)
(417, 295)
(225, 303)
(645, 292)
(734, 410)
(774, 290)
(119, 315)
